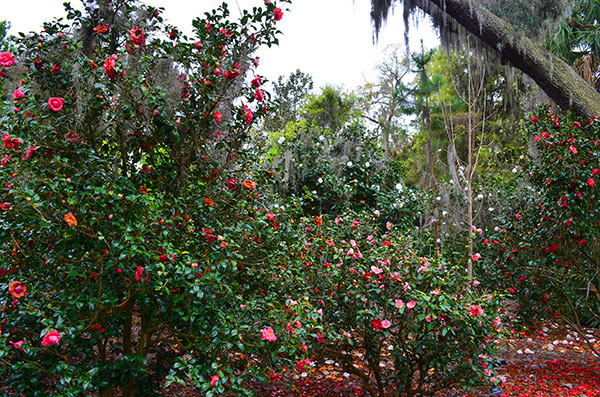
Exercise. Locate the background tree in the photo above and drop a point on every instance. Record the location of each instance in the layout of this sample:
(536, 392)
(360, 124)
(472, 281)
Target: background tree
(509, 41)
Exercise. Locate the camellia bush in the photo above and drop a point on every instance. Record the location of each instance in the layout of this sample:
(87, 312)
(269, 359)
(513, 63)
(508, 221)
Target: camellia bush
(394, 319)
(124, 224)
(545, 248)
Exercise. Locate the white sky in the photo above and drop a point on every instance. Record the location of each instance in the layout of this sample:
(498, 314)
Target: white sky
(329, 39)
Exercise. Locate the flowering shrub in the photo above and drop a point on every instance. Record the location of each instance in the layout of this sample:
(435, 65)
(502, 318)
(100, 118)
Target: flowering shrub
(122, 224)
(396, 320)
(546, 247)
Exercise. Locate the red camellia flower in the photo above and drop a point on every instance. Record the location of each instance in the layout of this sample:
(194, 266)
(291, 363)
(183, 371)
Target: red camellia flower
(248, 184)
(376, 324)
(582, 243)
(232, 184)
(277, 14)
(231, 74)
(137, 36)
(6, 59)
(51, 338)
(109, 66)
(596, 171)
(476, 311)
(139, 274)
(534, 119)
(259, 95)
(590, 182)
(257, 81)
(217, 116)
(17, 289)
(56, 104)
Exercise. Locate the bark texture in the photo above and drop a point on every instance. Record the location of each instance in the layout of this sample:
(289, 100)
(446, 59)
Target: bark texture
(554, 76)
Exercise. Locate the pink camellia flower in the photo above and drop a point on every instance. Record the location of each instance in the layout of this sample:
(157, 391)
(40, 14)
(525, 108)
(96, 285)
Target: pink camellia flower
(6, 59)
(18, 94)
(399, 303)
(428, 318)
(137, 36)
(573, 149)
(214, 380)
(51, 338)
(268, 334)
(411, 304)
(476, 257)
(56, 104)
(476, 311)
(385, 324)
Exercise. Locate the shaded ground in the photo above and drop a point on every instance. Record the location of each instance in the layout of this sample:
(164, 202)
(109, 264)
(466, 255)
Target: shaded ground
(549, 360)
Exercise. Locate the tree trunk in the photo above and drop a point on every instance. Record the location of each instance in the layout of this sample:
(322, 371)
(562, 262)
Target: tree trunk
(555, 77)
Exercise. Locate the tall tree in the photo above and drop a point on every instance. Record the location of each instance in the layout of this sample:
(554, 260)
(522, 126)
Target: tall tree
(554, 76)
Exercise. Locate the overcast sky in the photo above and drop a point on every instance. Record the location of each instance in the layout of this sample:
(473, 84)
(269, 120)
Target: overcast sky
(329, 39)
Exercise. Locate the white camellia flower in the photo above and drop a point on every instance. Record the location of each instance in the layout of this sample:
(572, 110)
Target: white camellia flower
(399, 187)
(367, 164)
(281, 140)
(349, 164)
(320, 180)
(321, 138)
(480, 196)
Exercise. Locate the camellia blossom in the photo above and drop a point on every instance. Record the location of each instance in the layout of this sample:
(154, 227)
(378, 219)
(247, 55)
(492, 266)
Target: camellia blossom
(573, 149)
(590, 182)
(476, 257)
(17, 289)
(56, 104)
(18, 94)
(259, 95)
(248, 184)
(6, 59)
(70, 219)
(277, 14)
(268, 334)
(137, 36)
(217, 116)
(214, 380)
(51, 338)
(399, 303)
(476, 311)
(411, 304)
(385, 324)
(109, 66)
(257, 81)
(139, 274)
